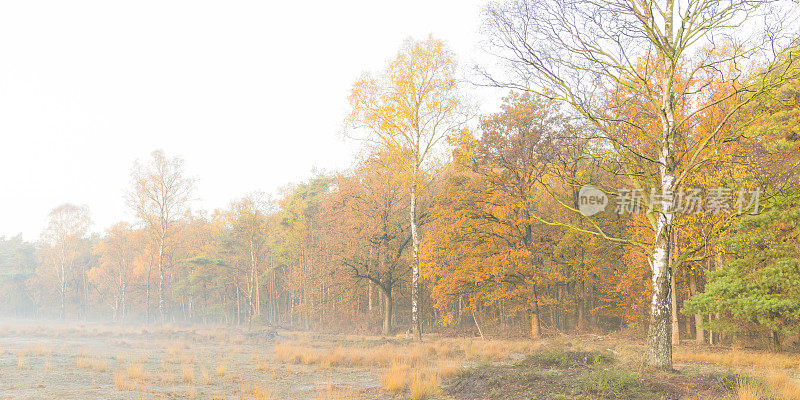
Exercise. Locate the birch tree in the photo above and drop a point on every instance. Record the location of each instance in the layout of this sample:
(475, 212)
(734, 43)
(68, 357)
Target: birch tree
(247, 220)
(67, 226)
(662, 53)
(159, 196)
(117, 251)
(407, 112)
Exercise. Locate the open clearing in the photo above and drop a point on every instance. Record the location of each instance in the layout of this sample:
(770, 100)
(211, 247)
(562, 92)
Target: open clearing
(100, 362)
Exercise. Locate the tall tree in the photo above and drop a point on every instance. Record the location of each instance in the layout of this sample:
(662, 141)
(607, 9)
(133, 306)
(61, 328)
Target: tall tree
(118, 251)
(159, 195)
(61, 243)
(408, 112)
(247, 221)
(370, 230)
(567, 50)
(17, 267)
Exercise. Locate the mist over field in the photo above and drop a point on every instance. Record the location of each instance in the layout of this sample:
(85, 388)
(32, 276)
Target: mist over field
(542, 199)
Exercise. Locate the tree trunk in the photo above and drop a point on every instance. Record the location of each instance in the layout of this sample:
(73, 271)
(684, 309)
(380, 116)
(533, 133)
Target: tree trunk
(387, 312)
(251, 287)
(676, 339)
(369, 296)
(63, 292)
(659, 346)
(477, 325)
(659, 335)
(582, 324)
(536, 330)
(122, 293)
(415, 305)
(147, 306)
(161, 310)
(84, 293)
(698, 319)
(536, 325)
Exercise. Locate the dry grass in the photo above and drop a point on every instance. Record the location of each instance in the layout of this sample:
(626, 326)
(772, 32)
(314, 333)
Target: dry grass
(135, 371)
(769, 384)
(22, 362)
(187, 373)
(206, 376)
(424, 386)
(781, 385)
(746, 390)
(447, 370)
(773, 379)
(396, 378)
(739, 358)
(178, 353)
(387, 354)
(221, 369)
(121, 381)
(330, 392)
(254, 393)
(421, 384)
(92, 363)
(38, 349)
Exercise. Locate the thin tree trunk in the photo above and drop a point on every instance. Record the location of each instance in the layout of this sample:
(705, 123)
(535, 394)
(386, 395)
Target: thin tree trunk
(536, 324)
(415, 304)
(676, 334)
(387, 312)
(123, 283)
(63, 292)
(676, 339)
(251, 289)
(477, 325)
(698, 318)
(161, 309)
(84, 295)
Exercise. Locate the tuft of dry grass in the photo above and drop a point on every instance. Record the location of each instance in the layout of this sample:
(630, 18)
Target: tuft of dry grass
(781, 385)
(768, 384)
(187, 373)
(22, 363)
(222, 368)
(330, 392)
(424, 386)
(93, 363)
(748, 390)
(123, 383)
(396, 378)
(447, 370)
(206, 376)
(254, 393)
(135, 371)
(38, 349)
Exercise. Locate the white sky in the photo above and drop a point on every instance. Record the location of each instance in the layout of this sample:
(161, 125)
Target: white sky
(251, 94)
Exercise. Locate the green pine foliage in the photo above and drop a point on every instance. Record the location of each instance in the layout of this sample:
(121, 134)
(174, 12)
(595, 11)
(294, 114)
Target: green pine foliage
(758, 288)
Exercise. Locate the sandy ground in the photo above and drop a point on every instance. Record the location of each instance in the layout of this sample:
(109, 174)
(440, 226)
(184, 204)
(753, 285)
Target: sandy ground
(96, 362)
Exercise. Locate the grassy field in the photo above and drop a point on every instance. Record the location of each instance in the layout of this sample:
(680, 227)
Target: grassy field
(100, 362)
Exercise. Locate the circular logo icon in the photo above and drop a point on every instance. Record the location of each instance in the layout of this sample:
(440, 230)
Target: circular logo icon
(591, 200)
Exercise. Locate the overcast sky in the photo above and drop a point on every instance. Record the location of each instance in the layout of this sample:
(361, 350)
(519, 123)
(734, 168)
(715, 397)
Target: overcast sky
(251, 94)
